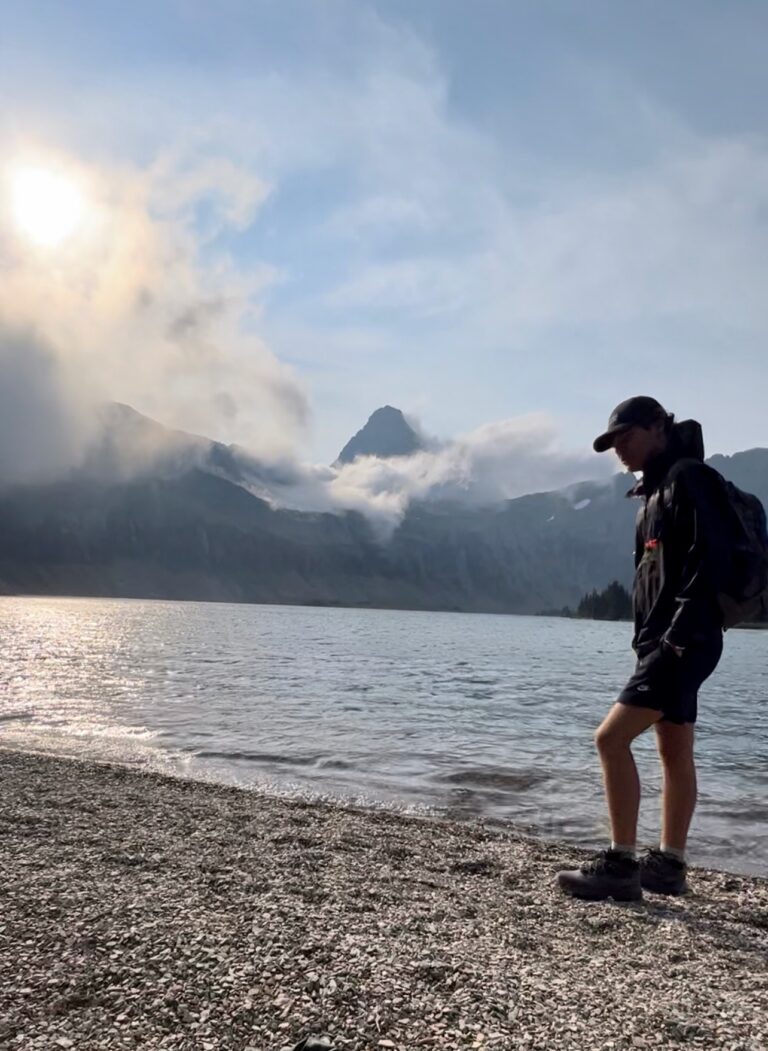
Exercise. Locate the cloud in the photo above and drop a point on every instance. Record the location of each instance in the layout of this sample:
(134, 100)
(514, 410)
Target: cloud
(134, 308)
(404, 231)
(182, 182)
(44, 424)
(682, 238)
(488, 466)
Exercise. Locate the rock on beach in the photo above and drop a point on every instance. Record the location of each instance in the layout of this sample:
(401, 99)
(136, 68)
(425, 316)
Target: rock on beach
(141, 911)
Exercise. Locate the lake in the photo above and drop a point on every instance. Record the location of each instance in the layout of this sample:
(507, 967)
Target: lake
(463, 715)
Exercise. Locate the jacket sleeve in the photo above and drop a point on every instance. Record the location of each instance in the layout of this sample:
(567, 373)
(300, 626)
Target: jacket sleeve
(639, 545)
(699, 530)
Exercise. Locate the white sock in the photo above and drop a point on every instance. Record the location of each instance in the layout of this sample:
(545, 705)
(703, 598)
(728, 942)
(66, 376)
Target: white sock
(673, 852)
(624, 848)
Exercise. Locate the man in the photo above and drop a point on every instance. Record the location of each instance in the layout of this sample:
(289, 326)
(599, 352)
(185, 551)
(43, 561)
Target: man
(678, 641)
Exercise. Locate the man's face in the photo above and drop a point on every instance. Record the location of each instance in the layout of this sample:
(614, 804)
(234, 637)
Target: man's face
(637, 445)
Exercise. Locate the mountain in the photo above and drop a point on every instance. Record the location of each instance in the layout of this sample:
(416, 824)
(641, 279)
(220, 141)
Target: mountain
(387, 433)
(162, 514)
(200, 536)
(130, 446)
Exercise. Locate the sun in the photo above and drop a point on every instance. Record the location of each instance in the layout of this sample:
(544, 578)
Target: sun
(47, 206)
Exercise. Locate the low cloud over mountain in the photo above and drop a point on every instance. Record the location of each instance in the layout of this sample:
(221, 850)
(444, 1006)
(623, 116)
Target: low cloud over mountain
(493, 464)
(160, 513)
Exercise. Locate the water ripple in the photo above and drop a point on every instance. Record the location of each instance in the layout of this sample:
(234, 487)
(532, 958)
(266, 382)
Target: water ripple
(469, 715)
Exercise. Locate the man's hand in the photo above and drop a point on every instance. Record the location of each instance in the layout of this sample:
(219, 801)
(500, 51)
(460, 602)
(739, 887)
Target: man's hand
(677, 650)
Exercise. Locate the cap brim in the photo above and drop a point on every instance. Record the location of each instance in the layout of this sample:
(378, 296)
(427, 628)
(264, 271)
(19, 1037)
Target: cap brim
(606, 441)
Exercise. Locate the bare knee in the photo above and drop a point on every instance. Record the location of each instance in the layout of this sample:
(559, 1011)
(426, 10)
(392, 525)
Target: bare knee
(675, 745)
(610, 739)
(621, 726)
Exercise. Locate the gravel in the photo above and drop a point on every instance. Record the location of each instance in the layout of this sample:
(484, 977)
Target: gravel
(138, 911)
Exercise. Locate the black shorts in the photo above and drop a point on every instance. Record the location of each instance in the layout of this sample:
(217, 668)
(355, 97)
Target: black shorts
(669, 683)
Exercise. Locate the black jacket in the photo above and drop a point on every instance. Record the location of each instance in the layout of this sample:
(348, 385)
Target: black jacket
(679, 545)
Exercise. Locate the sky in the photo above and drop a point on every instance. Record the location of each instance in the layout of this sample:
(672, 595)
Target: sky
(295, 211)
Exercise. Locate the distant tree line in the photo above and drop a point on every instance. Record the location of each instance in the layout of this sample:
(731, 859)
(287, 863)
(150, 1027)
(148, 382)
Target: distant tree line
(613, 603)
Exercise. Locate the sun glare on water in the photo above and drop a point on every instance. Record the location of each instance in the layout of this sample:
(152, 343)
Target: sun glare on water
(47, 207)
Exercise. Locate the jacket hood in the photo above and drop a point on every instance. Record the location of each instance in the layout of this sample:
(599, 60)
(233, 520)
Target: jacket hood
(687, 440)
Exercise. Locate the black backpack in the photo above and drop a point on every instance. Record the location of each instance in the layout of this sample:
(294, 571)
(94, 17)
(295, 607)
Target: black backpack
(743, 584)
(744, 595)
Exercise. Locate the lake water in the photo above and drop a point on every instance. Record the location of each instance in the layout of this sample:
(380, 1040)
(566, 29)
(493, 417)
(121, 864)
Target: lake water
(459, 714)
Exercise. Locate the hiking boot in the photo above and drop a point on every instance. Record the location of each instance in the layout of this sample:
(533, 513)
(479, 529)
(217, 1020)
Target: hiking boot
(609, 874)
(662, 874)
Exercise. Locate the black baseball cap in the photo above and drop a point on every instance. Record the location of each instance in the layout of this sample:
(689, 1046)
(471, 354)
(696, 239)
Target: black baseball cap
(634, 412)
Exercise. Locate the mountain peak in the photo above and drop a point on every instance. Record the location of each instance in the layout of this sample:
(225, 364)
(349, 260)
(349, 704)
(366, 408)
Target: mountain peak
(387, 433)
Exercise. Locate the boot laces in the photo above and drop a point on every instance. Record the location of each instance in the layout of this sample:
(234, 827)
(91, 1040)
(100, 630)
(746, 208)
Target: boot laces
(657, 859)
(602, 861)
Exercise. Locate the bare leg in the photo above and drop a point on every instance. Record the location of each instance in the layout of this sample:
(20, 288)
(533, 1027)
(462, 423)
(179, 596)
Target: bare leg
(622, 784)
(678, 801)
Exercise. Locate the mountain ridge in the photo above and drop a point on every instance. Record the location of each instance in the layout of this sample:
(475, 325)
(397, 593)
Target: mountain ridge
(193, 525)
(387, 433)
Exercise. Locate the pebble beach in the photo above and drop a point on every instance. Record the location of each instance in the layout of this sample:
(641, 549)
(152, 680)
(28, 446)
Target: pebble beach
(142, 911)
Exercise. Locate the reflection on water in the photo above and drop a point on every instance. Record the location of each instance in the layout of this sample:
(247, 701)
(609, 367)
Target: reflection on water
(469, 715)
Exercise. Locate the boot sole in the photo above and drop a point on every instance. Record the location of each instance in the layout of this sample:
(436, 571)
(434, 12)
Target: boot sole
(613, 896)
(594, 894)
(669, 893)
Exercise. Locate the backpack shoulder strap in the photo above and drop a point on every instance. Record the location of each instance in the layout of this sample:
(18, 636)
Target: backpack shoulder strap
(681, 465)
(704, 471)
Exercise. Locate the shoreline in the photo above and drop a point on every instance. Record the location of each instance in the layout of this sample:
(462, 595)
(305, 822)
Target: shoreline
(144, 910)
(544, 614)
(738, 864)
(229, 601)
